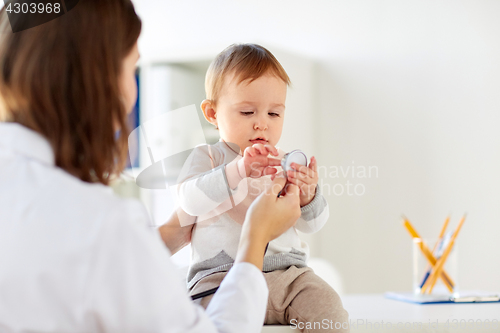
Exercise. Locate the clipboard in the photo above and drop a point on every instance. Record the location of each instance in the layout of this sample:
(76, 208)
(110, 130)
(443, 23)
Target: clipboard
(469, 297)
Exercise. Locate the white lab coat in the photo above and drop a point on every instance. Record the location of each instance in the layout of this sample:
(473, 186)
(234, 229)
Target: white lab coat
(76, 258)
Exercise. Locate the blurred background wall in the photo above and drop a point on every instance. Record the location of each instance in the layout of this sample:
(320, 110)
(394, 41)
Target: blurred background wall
(409, 90)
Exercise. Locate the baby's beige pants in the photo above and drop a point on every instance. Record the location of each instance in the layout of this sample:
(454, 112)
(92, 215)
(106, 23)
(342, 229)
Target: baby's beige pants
(297, 297)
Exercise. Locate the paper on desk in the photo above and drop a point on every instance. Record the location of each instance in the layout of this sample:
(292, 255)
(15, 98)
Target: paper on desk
(464, 297)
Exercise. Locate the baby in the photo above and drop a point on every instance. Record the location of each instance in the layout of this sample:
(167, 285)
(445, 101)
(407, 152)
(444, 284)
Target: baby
(246, 90)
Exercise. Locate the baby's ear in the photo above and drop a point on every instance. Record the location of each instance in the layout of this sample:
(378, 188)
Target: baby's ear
(209, 111)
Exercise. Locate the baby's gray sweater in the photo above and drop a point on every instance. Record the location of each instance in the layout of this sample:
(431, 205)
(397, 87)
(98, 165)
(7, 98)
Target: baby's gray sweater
(204, 192)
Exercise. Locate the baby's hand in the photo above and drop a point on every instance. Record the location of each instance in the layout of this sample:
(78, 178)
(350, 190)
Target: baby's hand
(256, 162)
(306, 178)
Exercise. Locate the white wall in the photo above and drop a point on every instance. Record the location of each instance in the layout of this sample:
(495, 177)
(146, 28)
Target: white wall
(411, 87)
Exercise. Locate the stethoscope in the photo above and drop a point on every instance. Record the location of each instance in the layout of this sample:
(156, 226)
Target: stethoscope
(295, 156)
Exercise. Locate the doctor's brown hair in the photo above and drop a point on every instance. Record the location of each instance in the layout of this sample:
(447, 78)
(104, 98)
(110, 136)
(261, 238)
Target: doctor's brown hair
(61, 79)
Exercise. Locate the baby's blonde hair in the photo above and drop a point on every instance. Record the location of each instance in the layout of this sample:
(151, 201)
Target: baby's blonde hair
(247, 62)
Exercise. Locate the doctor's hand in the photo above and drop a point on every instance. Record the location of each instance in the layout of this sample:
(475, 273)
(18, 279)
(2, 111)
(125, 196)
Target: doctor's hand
(267, 218)
(256, 161)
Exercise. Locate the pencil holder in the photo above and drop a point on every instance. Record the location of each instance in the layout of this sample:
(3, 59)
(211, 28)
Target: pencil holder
(435, 270)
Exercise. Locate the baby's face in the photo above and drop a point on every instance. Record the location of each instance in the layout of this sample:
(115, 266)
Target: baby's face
(250, 113)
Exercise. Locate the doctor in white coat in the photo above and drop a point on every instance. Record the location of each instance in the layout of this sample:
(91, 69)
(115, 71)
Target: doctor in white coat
(74, 257)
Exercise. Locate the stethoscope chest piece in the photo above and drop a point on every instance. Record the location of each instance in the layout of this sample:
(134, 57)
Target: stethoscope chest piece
(295, 156)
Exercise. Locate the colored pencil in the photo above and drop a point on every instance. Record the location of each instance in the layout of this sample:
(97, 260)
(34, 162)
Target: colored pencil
(438, 268)
(428, 269)
(428, 254)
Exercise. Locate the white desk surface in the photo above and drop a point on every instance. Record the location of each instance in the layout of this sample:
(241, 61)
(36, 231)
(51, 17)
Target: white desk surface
(373, 313)
(377, 307)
